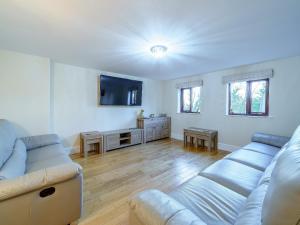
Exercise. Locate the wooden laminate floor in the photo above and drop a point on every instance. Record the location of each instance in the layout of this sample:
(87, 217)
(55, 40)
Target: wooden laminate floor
(109, 181)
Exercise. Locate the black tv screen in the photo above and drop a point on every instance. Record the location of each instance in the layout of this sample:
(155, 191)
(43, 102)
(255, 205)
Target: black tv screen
(120, 91)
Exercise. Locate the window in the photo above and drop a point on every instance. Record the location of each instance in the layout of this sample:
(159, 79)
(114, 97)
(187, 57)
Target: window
(190, 100)
(249, 98)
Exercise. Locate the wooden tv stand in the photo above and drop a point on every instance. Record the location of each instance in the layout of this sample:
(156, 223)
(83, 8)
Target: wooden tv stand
(121, 138)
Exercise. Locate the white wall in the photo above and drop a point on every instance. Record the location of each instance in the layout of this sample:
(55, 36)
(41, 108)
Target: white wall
(76, 106)
(237, 130)
(24, 92)
(40, 97)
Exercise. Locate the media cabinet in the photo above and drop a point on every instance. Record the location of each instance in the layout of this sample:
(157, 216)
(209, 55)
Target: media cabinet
(121, 138)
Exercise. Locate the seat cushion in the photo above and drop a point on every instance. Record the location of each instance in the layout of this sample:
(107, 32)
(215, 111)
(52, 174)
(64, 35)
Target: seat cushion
(210, 201)
(251, 214)
(155, 207)
(7, 140)
(250, 158)
(45, 153)
(16, 164)
(262, 148)
(53, 161)
(233, 175)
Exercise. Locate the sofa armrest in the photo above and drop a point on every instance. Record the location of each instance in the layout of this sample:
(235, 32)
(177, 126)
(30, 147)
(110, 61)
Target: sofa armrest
(38, 179)
(269, 139)
(153, 207)
(32, 142)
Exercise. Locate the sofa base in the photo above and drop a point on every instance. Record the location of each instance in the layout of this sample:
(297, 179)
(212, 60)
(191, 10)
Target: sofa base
(62, 207)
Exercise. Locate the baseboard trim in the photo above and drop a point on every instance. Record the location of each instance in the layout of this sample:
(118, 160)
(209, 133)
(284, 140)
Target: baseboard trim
(177, 136)
(222, 146)
(72, 150)
(228, 148)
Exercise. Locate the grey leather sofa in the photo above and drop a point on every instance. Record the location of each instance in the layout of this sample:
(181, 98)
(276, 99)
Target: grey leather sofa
(39, 183)
(258, 184)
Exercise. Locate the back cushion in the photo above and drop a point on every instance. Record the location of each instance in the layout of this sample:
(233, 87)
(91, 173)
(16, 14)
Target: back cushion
(251, 214)
(282, 201)
(269, 170)
(295, 139)
(7, 140)
(15, 166)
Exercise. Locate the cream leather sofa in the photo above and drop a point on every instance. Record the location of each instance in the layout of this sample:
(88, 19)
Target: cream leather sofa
(39, 183)
(258, 184)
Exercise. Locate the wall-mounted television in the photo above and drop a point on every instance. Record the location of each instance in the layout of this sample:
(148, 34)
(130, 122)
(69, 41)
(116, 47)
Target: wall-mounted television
(120, 91)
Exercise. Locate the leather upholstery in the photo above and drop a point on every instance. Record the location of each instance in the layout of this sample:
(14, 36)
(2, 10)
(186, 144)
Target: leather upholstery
(233, 175)
(256, 185)
(155, 207)
(16, 164)
(265, 178)
(251, 214)
(45, 153)
(7, 140)
(36, 180)
(262, 148)
(47, 166)
(60, 208)
(210, 201)
(253, 159)
(33, 142)
(273, 140)
(282, 201)
(54, 161)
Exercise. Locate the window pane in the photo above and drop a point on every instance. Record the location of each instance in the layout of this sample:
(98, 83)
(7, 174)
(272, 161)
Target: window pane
(196, 99)
(258, 96)
(238, 97)
(186, 99)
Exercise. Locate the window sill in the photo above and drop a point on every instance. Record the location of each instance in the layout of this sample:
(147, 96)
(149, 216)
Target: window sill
(249, 116)
(188, 113)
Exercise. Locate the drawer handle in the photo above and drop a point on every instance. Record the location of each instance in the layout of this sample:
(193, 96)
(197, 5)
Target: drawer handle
(47, 192)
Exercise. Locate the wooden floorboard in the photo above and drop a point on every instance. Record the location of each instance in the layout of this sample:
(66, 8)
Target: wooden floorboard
(110, 180)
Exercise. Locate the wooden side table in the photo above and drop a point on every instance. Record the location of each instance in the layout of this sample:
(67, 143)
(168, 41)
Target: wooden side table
(91, 141)
(196, 134)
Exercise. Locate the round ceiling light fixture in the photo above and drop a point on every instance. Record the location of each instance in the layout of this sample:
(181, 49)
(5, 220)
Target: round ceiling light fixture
(159, 51)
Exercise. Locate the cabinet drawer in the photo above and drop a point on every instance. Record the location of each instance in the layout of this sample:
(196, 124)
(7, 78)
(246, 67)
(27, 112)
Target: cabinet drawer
(112, 138)
(93, 141)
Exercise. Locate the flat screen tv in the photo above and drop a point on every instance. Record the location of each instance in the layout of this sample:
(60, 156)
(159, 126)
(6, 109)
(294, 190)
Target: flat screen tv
(120, 91)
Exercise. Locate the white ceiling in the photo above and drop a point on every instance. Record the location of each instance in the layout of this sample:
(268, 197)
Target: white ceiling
(115, 35)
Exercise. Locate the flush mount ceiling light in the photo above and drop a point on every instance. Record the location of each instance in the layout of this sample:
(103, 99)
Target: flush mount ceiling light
(159, 51)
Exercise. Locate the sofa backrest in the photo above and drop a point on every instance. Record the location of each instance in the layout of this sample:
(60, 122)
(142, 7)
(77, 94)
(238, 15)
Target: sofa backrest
(282, 200)
(7, 140)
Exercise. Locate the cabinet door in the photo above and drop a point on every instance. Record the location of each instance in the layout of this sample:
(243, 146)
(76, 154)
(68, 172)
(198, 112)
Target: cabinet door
(136, 138)
(165, 133)
(158, 131)
(112, 142)
(149, 133)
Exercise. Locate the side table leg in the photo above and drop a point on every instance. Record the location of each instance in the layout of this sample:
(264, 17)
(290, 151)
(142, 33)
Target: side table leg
(85, 149)
(209, 144)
